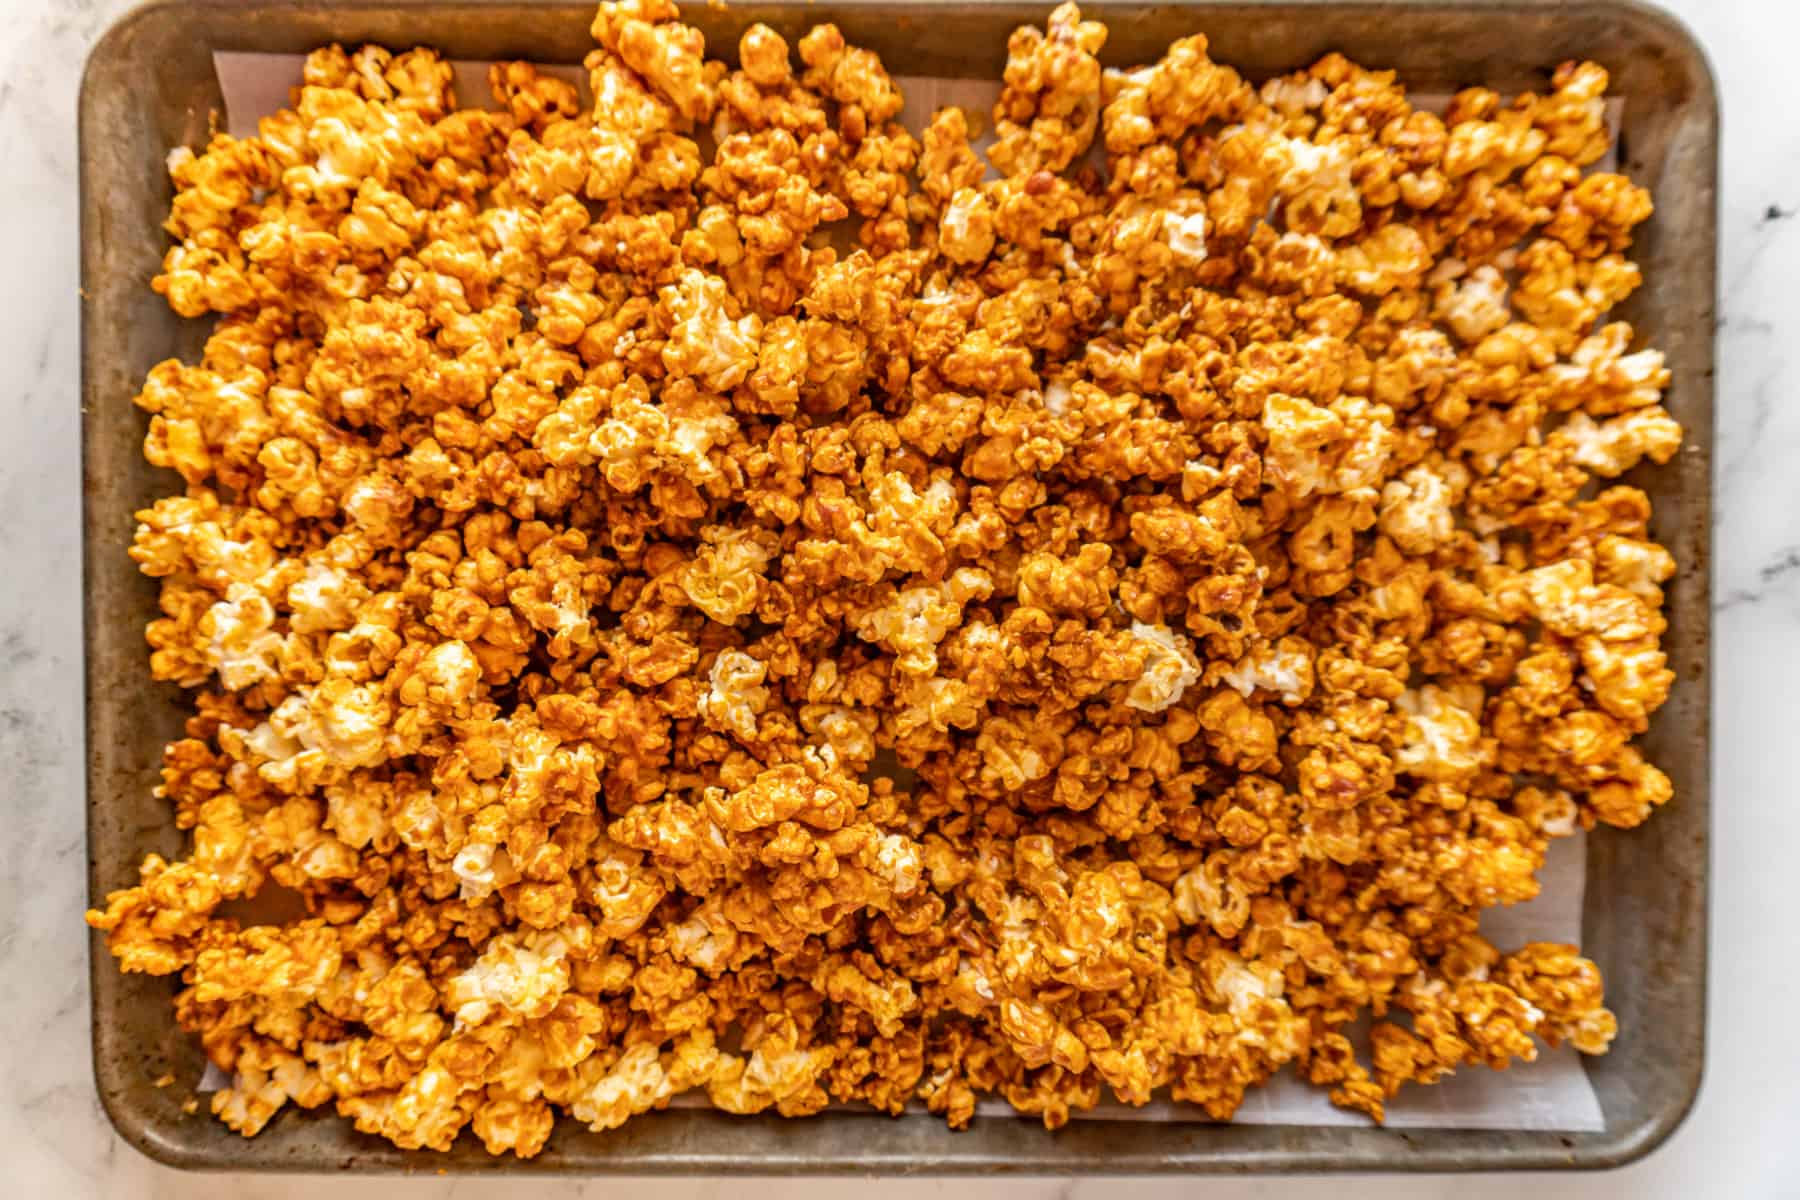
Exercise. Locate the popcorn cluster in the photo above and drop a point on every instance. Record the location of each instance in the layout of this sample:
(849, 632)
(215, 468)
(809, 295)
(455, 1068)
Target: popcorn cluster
(713, 592)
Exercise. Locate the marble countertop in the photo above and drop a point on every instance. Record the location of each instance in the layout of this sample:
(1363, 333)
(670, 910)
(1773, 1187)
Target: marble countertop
(1740, 1140)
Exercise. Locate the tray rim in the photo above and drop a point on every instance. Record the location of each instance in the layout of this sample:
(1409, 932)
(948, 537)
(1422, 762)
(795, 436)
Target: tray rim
(1416, 1151)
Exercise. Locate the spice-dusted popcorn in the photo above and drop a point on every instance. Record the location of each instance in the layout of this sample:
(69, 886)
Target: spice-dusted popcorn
(710, 591)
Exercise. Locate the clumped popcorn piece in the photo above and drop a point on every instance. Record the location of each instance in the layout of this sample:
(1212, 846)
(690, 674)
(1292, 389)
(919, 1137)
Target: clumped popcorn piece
(1169, 668)
(735, 696)
(710, 593)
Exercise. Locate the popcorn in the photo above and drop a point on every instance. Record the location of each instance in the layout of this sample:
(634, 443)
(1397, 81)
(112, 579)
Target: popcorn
(1169, 668)
(1284, 669)
(724, 580)
(510, 978)
(1442, 739)
(258, 1092)
(913, 623)
(706, 342)
(1417, 510)
(735, 697)
(966, 229)
(243, 649)
(1476, 306)
(324, 599)
(634, 1084)
(716, 594)
(1187, 237)
(1617, 445)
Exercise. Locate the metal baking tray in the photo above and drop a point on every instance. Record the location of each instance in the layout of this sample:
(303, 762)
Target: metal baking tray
(150, 85)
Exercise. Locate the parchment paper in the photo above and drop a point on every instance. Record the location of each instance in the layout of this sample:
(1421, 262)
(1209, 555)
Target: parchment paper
(1552, 1093)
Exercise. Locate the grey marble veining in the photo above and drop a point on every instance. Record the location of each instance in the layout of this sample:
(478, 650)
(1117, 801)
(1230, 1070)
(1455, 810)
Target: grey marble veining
(1739, 1142)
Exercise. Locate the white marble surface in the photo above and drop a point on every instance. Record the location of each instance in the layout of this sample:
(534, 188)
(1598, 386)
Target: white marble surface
(1740, 1142)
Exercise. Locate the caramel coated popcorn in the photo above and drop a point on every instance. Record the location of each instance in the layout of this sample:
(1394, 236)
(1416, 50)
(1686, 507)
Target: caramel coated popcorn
(709, 591)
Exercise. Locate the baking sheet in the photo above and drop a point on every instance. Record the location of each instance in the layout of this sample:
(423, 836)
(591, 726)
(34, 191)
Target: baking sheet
(1551, 1094)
